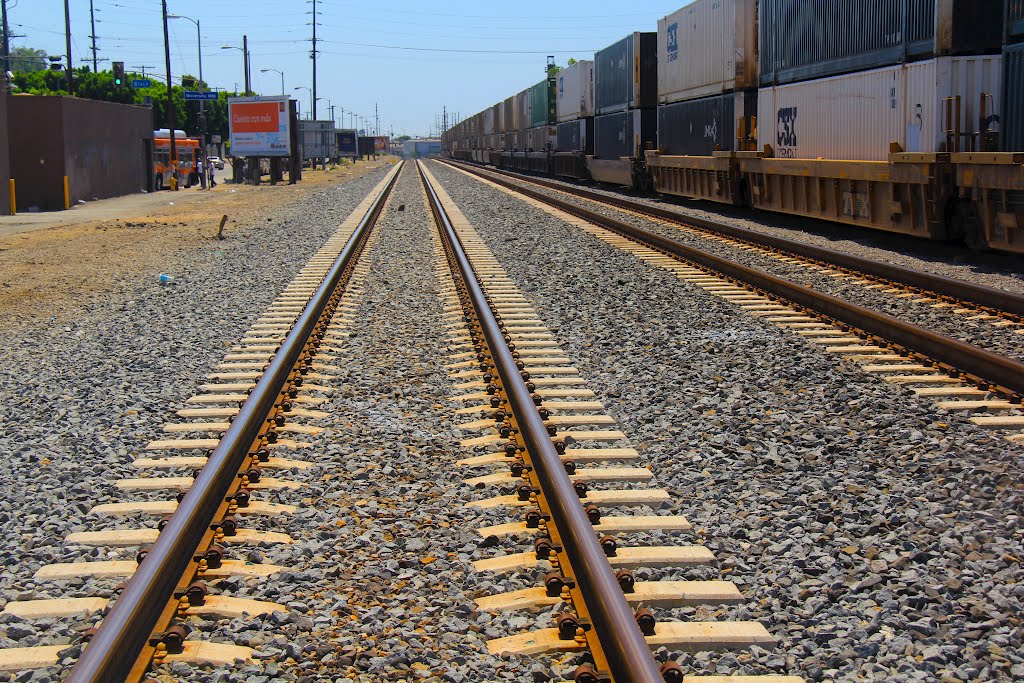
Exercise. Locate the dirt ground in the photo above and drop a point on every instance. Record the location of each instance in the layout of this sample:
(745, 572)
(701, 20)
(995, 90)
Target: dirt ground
(53, 272)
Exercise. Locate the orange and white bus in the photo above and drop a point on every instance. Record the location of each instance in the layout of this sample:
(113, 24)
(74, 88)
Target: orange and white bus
(186, 150)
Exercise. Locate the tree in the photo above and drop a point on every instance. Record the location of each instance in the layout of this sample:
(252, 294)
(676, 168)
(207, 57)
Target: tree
(572, 61)
(28, 59)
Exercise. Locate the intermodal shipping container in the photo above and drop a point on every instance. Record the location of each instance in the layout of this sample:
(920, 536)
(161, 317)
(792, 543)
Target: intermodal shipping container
(508, 114)
(856, 116)
(524, 110)
(625, 134)
(576, 91)
(499, 125)
(1014, 20)
(699, 127)
(540, 139)
(575, 136)
(1012, 122)
(542, 104)
(807, 39)
(707, 48)
(488, 116)
(626, 74)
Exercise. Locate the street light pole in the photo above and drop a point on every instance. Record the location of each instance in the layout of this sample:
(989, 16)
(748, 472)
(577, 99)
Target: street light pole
(202, 107)
(263, 71)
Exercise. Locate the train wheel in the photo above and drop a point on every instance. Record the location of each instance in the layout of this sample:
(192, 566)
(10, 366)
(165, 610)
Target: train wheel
(965, 223)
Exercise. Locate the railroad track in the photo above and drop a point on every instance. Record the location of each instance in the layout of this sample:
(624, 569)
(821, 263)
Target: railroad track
(959, 376)
(247, 419)
(527, 398)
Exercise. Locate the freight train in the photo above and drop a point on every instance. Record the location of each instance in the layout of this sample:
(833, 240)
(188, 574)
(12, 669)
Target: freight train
(898, 115)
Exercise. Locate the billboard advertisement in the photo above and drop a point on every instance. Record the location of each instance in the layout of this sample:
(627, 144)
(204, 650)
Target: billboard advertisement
(259, 126)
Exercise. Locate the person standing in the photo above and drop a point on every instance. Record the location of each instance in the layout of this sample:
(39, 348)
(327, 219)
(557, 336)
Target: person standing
(210, 169)
(201, 172)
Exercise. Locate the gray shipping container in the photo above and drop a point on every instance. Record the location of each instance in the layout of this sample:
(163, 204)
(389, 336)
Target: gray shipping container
(1012, 122)
(626, 74)
(806, 39)
(625, 134)
(575, 136)
(1014, 20)
(699, 127)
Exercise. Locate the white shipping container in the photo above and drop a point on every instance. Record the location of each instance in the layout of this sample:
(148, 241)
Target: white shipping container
(707, 48)
(488, 121)
(936, 79)
(524, 109)
(576, 91)
(856, 116)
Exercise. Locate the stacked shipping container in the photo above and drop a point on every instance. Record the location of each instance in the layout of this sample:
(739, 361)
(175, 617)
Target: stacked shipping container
(1012, 120)
(625, 97)
(575, 108)
(707, 75)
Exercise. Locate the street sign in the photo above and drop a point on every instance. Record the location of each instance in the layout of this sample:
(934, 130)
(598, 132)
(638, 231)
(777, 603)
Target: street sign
(200, 95)
(142, 83)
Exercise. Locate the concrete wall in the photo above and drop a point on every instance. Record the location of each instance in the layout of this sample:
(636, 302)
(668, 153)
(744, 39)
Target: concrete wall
(105, 148)
(102, 148)
(36, 140)
(5, 163)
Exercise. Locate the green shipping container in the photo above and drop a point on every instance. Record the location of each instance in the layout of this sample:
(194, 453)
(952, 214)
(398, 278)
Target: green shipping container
(543, 104)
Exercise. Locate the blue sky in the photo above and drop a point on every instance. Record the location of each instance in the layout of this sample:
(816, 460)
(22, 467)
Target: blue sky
(410, 58)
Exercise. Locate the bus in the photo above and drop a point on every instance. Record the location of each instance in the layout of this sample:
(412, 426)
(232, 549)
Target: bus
(186, 148)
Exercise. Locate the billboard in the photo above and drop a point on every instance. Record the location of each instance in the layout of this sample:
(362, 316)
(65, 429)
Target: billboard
(317, 139)
(380, 143)
(259, 126)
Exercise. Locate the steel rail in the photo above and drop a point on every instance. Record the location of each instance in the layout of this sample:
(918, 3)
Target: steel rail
(985, 366)
(988, 297)
(629, 657)
(124, 633)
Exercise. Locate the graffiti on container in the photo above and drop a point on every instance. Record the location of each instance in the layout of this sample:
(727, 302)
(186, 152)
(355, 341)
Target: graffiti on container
(561, 86)
(672, 44)
(855, 205)
(785, 130)
(711, 131)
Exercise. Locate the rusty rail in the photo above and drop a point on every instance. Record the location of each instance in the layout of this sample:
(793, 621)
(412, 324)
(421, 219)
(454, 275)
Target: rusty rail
(981, 365)
(987, 297)
(116, 652)
(622, 643)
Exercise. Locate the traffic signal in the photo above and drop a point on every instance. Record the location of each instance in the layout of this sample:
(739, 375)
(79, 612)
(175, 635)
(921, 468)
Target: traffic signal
(118, 74)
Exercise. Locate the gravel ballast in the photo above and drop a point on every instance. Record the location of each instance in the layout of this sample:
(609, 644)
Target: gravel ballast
(993, 269)
(82, 400)
(877, 537)
(963, 327)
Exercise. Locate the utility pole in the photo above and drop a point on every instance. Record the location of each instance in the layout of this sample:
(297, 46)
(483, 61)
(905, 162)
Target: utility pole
(92, 21)
(6, 47)
(143, 68)
(67, 37)
(245, 61)
(170, 93)
(376, 119)
(314, 60)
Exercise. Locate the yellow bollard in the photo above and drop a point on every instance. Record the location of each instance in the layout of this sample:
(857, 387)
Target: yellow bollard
(14, 204)
(67, 196)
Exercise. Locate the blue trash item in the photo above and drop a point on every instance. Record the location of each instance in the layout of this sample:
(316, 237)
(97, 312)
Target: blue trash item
(166, 279)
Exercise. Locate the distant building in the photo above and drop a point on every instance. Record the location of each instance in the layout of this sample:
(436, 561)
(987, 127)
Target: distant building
(412, 149)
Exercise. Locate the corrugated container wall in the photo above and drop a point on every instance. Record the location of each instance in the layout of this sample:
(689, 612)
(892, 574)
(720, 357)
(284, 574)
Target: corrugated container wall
(524, 109)
(707, 48)
(804, 39)
(576, 91)
(499, 124)
(488, 115)
(508, 114)
(575, 136)
(929, 83)
(1012, 130)
(1015, 20)
(903, 104)
(540, 104)
(626, 74)
(699, 127)
(625, 134)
